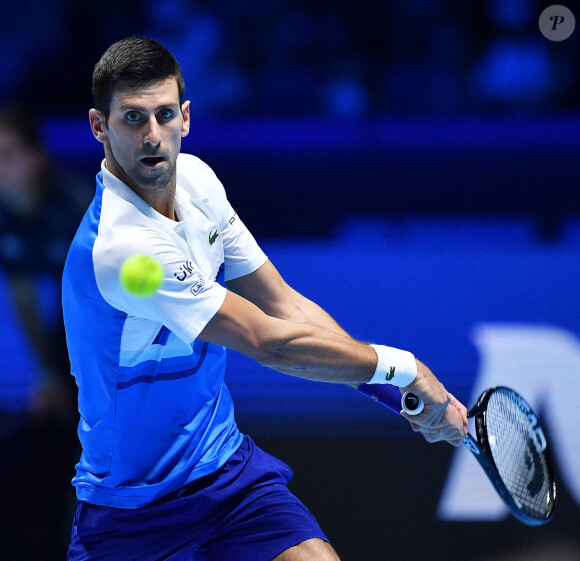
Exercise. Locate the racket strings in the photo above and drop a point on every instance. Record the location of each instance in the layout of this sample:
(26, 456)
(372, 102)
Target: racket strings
(522, 467)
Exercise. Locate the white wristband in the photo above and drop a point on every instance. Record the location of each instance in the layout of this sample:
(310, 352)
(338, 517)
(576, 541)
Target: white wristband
(394, 366)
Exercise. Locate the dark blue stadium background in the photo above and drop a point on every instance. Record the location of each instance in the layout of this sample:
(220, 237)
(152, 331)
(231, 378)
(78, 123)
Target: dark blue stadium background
(411, 166)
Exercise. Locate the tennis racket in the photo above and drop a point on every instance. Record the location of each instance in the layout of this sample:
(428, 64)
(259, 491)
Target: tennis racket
(511, 447)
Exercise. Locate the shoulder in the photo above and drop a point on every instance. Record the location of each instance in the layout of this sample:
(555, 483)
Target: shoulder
(196, 177)
(190, 162)
(122, 224)
(124, 231)
(112, 248)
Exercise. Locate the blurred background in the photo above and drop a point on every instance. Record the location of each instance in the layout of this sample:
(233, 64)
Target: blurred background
(412, 166)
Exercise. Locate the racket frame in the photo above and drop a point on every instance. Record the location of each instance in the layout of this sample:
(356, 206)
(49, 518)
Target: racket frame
(390, 396)
(481, 450)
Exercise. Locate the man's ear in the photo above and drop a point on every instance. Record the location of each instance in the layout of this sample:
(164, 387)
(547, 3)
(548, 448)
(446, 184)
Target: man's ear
(186, 119)
(98, 124)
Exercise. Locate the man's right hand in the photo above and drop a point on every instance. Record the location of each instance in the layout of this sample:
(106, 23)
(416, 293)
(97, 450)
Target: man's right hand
(444, 418)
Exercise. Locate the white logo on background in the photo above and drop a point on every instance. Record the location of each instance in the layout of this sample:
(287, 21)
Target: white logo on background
(541, 363)
(557, 23)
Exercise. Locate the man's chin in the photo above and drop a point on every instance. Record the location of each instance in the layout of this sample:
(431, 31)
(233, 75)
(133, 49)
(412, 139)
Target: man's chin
(154, 181)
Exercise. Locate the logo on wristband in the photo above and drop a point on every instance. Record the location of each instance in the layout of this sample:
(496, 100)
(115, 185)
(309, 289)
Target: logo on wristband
(391, 374)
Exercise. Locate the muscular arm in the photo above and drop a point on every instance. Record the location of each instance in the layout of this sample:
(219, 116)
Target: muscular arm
(290, 346)
(267, 289)
(264, 318)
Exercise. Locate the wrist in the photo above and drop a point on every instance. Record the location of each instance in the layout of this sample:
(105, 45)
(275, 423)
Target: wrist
(394, 366)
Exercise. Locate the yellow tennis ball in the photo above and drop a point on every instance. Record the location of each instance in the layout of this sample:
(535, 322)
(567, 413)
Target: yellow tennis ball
(141, 275)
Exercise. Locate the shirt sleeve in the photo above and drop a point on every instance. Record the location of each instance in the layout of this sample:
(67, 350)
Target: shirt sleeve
(183, 306)
(242, 254)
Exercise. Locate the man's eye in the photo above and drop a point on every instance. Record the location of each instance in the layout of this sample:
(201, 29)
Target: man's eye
(132, 116)
(166, 114)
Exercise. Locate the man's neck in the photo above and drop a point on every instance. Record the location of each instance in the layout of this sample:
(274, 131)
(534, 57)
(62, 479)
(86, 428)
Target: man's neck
(162, 200)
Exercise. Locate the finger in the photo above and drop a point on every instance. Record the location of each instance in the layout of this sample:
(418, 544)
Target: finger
(450, 419)
(431, 436)
(453, 432)
(460, 407)
(430, 416)
(449, 434)
(454, 435)
(452, 438)
(455, 442)
(455, 418)
(463, 413)
(415, 420)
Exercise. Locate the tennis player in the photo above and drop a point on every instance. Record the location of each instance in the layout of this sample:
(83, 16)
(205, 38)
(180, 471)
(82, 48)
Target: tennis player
(165, 473)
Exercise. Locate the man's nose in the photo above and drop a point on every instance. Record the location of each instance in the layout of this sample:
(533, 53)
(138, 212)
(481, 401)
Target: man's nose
(153, 132)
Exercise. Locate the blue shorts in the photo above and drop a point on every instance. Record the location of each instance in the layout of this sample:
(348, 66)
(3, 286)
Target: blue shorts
(242, 512)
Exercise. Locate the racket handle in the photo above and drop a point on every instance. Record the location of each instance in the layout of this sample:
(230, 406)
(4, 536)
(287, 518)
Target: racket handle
(390, 397)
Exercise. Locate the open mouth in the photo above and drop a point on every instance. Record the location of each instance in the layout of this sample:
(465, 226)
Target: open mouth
(152, 161)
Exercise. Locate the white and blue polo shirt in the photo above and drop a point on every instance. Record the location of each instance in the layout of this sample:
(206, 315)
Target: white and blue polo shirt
(155, 412)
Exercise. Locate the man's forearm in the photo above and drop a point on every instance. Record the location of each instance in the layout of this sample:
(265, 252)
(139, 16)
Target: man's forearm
(314, 352)
(303, 310)
(299, 338)
(291, 346)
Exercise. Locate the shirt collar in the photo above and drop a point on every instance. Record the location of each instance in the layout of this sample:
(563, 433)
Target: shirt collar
(122, 190)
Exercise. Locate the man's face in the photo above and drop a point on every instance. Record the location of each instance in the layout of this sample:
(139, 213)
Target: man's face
(142, 136)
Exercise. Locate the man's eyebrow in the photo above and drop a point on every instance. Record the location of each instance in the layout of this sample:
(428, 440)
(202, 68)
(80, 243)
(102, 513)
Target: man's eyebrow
(137, 107)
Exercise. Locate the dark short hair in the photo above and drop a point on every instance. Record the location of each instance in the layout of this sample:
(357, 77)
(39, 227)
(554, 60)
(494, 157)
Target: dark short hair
(134, 61)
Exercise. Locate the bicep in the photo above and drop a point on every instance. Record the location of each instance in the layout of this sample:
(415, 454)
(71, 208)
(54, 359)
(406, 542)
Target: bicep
(267, 290)
(240, 325)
